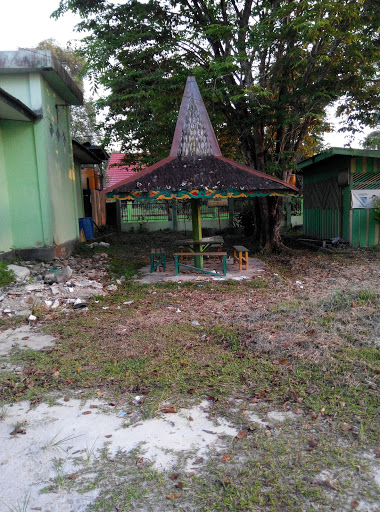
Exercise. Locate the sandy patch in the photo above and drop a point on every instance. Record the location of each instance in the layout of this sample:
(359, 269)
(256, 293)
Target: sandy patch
(69, 432)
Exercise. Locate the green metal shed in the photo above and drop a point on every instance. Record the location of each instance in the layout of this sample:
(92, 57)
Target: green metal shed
(333, 181)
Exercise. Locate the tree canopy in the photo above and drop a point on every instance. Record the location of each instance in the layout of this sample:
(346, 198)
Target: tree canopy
(267, 70)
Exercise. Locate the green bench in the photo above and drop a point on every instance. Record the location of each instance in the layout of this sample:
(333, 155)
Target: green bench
(157, 259)
(178, 261)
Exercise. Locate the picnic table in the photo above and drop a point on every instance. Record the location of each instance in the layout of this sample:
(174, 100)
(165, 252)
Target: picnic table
(198, 249)
(201, 245)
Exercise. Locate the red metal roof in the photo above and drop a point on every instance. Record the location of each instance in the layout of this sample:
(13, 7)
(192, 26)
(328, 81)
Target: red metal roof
(116, 173)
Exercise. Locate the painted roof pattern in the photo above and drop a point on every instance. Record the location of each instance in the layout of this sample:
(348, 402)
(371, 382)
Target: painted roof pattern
(195, 161)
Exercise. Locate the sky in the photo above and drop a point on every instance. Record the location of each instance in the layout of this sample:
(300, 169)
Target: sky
(24, 23)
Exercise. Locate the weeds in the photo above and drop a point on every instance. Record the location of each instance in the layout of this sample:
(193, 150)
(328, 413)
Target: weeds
(6, 276)
(58, 444)
(19, 507)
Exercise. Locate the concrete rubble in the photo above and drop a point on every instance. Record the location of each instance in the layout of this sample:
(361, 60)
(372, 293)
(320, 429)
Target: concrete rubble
(66, 283)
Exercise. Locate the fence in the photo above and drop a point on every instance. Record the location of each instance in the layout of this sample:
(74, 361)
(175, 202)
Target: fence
(176, 214)
(146, 211)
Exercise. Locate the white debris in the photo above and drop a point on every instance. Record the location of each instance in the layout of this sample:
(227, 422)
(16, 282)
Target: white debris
(32, 318)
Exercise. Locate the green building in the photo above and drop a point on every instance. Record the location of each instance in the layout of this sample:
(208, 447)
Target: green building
(338, 190)
(40, 192)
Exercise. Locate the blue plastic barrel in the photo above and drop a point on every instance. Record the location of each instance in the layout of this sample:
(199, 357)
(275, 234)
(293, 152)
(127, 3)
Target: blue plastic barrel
(87, 224)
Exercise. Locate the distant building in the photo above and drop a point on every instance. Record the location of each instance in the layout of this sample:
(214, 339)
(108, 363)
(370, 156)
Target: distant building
(338, 188)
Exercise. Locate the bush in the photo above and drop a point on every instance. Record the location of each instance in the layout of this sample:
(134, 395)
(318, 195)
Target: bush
(6, 276)
(376, 213)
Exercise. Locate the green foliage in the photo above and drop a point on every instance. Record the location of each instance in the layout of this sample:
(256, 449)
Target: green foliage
(376, 212)
(372, 141)
(267, 70)
(6, 276)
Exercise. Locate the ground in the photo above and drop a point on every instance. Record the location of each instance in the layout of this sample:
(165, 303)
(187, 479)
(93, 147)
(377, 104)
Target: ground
(250, 395)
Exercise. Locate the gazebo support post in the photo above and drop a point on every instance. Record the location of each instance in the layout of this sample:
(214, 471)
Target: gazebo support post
(197, 228)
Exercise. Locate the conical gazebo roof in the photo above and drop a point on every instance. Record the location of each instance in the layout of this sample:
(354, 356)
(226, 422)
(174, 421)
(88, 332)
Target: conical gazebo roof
(195, 168)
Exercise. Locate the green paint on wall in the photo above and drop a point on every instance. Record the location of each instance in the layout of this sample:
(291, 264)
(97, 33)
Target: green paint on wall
(6, 240)
(22, 178)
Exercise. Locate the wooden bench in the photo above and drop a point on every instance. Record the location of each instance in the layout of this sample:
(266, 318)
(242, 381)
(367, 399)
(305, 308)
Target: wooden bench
(238, 256)
(157, 258)
(179, 255)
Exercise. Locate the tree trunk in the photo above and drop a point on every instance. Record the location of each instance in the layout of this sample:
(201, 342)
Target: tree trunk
(272, 210)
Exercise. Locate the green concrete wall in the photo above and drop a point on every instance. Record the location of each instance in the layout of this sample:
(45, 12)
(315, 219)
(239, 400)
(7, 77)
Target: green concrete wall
(79, 190)
(63, 185)
(6, 239)
(41, 195)
(22, 184)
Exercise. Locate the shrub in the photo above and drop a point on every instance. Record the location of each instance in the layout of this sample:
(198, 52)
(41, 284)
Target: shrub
(6, 276)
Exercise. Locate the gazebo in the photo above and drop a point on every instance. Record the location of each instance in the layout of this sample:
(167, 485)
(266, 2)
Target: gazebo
(195, 168)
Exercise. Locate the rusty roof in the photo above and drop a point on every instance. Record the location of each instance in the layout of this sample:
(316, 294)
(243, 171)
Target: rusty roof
(195, 160)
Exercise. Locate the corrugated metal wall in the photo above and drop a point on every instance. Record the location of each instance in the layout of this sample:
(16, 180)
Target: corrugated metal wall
(322, 205)
(327, 206)
(363, 231)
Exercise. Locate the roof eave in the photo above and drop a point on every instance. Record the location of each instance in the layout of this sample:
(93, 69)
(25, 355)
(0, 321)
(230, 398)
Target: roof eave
(18, 106)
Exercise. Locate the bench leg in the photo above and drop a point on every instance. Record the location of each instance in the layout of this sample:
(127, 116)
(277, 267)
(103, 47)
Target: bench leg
(240, 260)
(154, 265)
(246, 260)
(224, 265)
(176, 266)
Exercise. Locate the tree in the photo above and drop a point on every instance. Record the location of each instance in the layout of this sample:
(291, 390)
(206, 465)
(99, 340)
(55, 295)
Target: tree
(267, 70)
(372, 141)
(83, 125)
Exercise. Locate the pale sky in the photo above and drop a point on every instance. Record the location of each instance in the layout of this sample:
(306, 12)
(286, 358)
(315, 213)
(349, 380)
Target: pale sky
(24, 23)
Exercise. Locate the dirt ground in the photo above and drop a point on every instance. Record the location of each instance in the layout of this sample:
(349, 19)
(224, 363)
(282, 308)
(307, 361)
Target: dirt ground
(196, 394)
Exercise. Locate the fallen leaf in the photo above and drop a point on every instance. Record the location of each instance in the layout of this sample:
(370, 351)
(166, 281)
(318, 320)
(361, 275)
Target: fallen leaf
(179, 485)
(377, 452)
(66, 399)
(93, 406)
(17, 430)
(191, 474)
(139, 460)
(298, 411)
(87, 412)
(73, 476)
(190, 418)
(168, 408)
(199, 460)
(108, 436)
(174, 476)
(226, 457)
(173, 496)
(242, 434)
(191, 391)
(346, 427)
(312, 443)
(354, 504)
